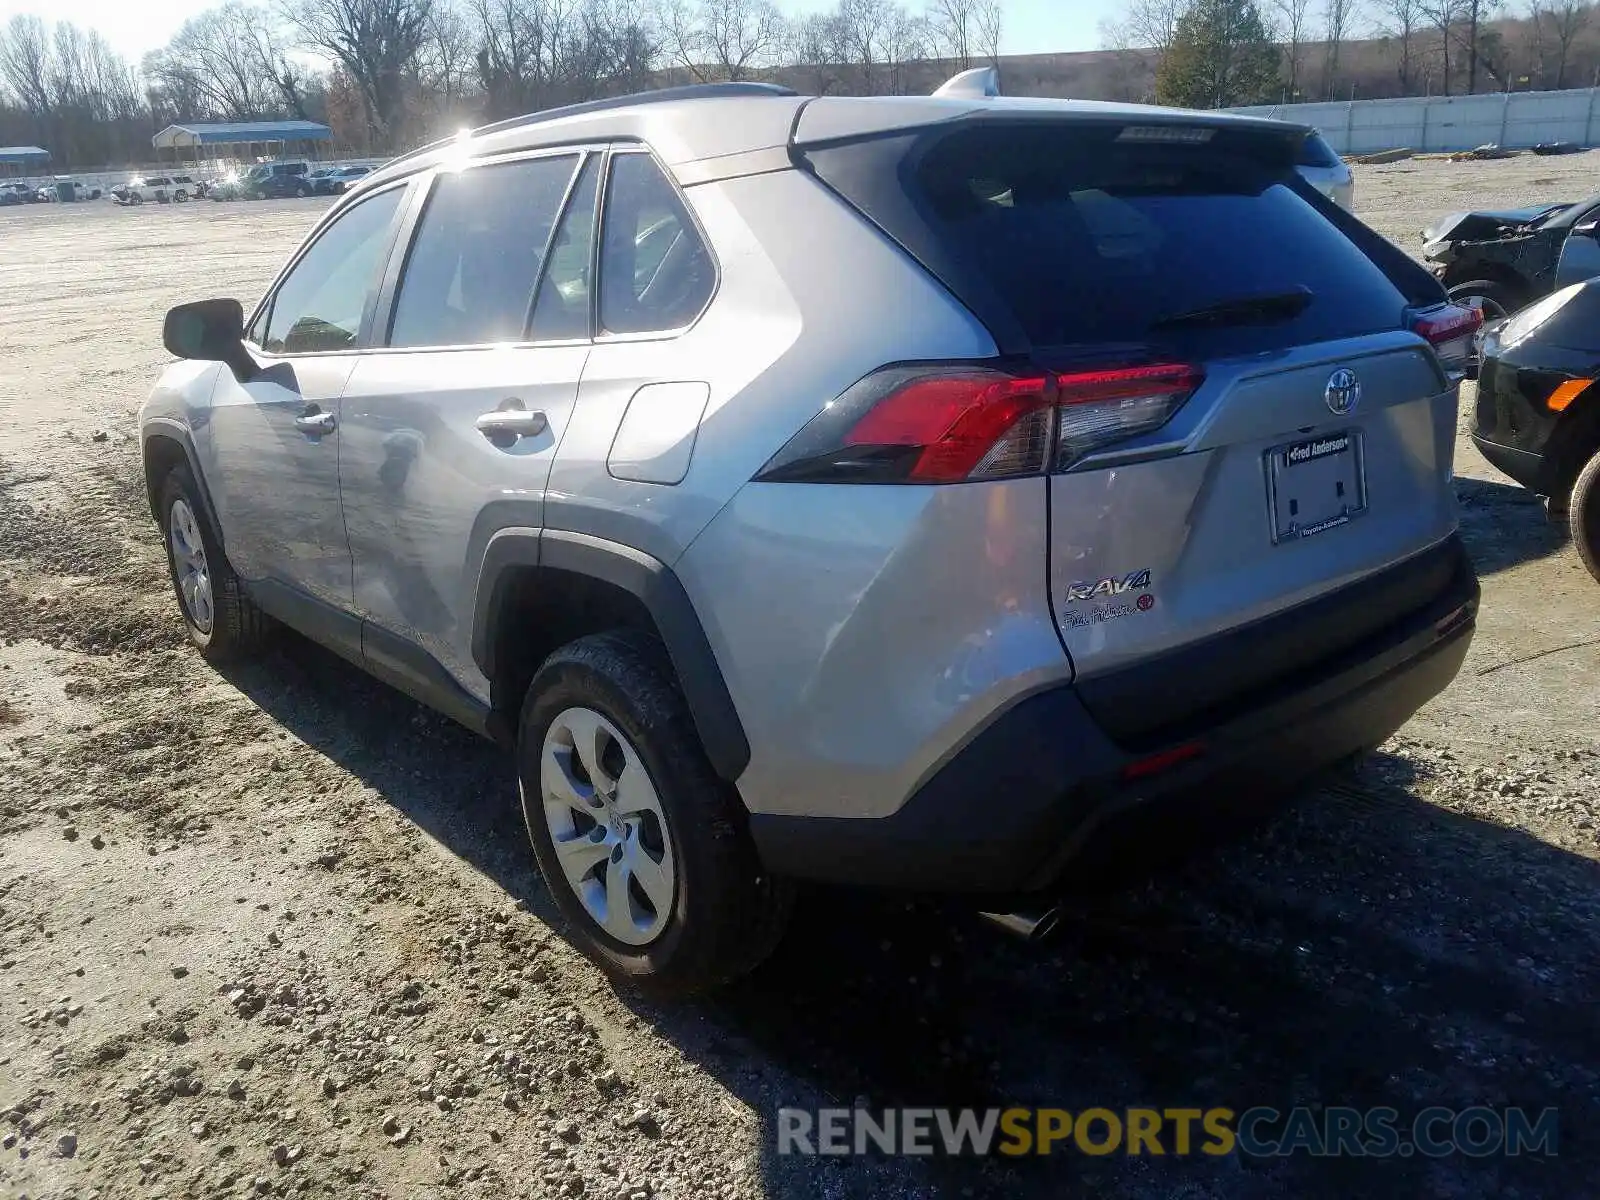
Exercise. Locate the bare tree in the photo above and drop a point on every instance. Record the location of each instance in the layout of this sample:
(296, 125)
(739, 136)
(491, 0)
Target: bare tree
(1557, 24)
(906, 39)
(225, 63)
(1337, 20)
(1144, 25)
(990, 22)
(1444, 15)
(721, 39)
(862, 26)
(817, 48)
(1401, 21)
(446, 58)
(376, 41)
(1475, 13)
(1293, 21)
(25, 63)
(955, 29)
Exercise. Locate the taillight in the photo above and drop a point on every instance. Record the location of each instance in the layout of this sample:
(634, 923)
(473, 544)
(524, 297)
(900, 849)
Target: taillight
(1453, 332)
(934, 423)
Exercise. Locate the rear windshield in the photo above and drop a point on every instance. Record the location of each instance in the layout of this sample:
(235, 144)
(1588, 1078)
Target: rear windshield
(1082, 239)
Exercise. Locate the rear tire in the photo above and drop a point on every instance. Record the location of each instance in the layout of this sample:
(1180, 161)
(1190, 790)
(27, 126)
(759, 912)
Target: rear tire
(610, 765)
(218, 618)
(1583, 512)
(1495, 299)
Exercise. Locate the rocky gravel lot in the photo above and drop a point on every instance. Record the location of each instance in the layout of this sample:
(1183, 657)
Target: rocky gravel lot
(277, 932)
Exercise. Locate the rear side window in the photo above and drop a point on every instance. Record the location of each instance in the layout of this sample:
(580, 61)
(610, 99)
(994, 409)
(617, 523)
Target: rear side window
(473, 266)
(656, 275)
(1079, 238)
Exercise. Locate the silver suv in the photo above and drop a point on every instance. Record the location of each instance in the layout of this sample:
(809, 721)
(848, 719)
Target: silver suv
(900, 491)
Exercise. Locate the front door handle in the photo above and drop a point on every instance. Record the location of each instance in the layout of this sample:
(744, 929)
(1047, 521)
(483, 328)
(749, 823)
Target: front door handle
(315, 423)
(511, 423)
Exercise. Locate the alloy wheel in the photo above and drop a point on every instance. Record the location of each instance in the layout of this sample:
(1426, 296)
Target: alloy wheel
(607, 825)
(189, 564)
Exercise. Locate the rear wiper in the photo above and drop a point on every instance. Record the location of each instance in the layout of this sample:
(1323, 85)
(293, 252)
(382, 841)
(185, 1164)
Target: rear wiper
(1243, 310)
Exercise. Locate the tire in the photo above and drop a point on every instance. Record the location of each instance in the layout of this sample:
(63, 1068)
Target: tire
(1583, 512)
(235, 627)
(136, 199)
(180, 197)
(1496, 299)
(714, 914)
(302, 191)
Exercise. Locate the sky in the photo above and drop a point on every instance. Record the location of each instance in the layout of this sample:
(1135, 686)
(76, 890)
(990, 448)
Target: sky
(134, 27)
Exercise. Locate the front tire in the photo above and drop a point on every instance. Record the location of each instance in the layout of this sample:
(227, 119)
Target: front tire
(1495, 299)
(1583, 512)
(218, 618)
(643, 848)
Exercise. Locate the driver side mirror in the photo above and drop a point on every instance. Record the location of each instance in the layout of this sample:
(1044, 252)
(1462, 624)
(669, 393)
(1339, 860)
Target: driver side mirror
(209, 331)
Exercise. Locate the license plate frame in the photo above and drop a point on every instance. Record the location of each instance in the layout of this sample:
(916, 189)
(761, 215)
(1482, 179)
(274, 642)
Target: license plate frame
(1315, 484)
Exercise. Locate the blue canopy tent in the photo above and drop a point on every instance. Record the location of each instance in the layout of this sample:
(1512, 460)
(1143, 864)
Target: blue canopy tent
(250, 134)
(17, 160)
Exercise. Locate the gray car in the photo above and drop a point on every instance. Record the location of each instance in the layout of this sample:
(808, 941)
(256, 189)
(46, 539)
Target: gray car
(897, 491)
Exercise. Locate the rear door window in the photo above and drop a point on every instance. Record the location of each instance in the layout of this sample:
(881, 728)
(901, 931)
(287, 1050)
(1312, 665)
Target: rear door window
(1081, 238)
(476, 258)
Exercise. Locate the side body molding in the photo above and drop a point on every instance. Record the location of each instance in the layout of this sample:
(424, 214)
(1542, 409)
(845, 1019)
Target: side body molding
(656, 587)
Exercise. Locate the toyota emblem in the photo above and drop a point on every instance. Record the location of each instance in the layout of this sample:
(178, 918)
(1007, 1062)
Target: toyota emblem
(1343, 392)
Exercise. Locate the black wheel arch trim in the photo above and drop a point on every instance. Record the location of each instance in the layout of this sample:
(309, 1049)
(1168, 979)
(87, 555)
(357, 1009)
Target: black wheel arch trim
(656, 587)
(175, 431)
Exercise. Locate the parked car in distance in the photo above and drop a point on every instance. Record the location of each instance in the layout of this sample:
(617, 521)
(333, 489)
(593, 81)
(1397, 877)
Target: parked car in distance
(76, 189)
(161, 189)
(18, 193)
(334, 181)
(943, 580)
(1322, 167)
(1538, 410)
(274, 181)
(1500, 260)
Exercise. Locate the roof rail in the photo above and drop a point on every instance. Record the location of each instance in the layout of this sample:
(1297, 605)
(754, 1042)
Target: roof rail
(693, 91)
(979, 83)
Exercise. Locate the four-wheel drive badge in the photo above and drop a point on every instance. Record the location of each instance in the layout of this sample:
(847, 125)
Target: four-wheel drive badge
(1111, 585)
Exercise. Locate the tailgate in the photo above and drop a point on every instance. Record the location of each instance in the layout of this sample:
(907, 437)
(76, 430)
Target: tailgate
(1270, 500)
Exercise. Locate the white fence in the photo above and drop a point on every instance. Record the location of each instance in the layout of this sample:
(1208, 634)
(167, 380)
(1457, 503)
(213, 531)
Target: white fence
(1516, 120)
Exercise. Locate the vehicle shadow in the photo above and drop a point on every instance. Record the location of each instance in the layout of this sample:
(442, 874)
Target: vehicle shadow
(1359, 948)
(1504, 524)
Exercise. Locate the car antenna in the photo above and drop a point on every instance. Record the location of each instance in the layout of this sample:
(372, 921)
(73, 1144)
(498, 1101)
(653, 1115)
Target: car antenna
(980, 83)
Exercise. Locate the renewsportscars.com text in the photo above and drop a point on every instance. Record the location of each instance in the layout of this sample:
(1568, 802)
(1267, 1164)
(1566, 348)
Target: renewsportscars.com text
(1329, 1131)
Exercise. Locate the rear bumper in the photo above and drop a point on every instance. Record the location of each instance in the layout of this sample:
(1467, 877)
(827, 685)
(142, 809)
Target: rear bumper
(1043, 785)
(1530, 468)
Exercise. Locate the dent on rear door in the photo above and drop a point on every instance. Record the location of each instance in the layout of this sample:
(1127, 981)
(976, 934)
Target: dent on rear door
(1149, 556)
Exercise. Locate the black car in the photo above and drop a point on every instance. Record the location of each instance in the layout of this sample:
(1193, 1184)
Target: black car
(335, 181)
(274, 181)
(1501, 260)
(1538, 414)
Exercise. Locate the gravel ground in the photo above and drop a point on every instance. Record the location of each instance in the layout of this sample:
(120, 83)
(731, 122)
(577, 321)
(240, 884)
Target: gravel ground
(277, 932)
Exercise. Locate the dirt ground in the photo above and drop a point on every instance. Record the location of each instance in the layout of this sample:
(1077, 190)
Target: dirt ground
(277, 931)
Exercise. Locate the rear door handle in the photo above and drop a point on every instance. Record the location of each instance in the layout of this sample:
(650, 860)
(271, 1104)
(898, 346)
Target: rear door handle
(315, 423)
(511, 423)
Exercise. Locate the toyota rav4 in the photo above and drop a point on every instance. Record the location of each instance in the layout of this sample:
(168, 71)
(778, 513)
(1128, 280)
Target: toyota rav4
(899, 491)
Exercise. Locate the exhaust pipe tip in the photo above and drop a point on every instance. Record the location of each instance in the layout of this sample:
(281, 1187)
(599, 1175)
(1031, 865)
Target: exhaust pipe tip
(1026, 926)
